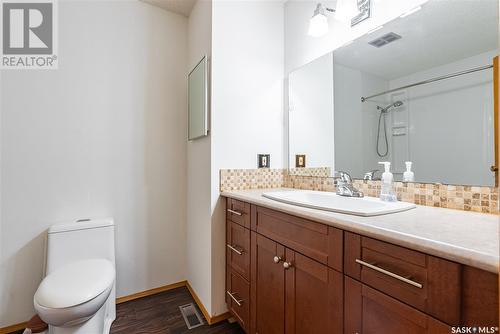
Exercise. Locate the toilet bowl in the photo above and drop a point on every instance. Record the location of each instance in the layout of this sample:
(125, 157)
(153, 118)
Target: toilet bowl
(77, 295)
(75, 292)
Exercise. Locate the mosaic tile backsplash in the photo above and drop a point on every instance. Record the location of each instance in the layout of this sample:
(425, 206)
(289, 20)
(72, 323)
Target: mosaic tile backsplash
(468, 198)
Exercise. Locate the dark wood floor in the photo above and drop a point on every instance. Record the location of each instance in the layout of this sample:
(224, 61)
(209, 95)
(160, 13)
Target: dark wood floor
(160, 314)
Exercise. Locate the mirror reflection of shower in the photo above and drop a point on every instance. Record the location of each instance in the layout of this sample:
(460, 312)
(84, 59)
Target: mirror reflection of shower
(383, 113)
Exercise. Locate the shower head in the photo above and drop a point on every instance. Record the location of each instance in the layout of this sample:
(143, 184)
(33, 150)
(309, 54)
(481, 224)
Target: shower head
(393, 105)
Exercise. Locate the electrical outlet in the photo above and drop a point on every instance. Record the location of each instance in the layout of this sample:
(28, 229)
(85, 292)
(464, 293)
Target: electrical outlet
(300, 160)
(263, 160)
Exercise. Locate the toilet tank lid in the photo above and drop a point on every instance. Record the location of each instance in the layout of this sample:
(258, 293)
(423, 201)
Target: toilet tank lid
(75, 283)
(81, 224)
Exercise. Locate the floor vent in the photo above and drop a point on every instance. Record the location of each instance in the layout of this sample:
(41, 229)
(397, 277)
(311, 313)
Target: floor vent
(191, 316)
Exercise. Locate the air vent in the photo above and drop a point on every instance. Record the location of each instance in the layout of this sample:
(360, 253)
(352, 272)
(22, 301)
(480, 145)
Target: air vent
(384, 40)
(191, 316)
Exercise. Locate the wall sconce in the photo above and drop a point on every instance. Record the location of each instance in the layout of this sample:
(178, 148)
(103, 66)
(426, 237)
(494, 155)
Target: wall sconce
(355, 11)
(318, 24)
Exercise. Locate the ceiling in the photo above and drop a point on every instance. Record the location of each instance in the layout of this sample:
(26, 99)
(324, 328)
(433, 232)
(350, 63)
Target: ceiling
(182, 7)
(443, 31)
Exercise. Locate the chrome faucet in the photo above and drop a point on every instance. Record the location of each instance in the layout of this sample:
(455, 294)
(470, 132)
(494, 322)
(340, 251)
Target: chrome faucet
(369, 176)
(345, 186)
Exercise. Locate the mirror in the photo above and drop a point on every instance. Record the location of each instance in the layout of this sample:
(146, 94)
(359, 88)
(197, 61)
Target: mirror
(197, 101)
(419, 89)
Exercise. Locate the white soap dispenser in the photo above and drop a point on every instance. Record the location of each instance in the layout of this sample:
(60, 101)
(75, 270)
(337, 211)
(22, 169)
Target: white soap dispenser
(408, 176)
(387, 192)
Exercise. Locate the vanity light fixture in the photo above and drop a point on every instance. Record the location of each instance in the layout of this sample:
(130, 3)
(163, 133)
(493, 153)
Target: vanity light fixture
(353, 11)
(346, 10)
(411, 11)
(318, 24)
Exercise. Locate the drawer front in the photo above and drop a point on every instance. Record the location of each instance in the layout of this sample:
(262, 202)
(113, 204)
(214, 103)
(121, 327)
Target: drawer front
(238, 298)
(425, 282)
(238, 212)
(238, 248)
(370, 311)
(317, 241)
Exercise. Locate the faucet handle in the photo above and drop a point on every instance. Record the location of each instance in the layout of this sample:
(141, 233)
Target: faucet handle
(370, 175)
(343, 176)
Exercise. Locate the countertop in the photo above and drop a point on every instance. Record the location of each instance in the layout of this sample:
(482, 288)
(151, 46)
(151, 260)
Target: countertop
(465, 237)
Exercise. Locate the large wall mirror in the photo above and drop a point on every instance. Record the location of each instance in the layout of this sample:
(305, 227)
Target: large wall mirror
(419, 89)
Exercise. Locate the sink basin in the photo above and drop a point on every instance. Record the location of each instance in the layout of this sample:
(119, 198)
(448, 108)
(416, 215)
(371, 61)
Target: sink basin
(328, 201)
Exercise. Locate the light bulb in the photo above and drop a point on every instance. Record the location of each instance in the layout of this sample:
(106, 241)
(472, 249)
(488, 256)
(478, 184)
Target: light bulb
(318, 25)
(346, 10)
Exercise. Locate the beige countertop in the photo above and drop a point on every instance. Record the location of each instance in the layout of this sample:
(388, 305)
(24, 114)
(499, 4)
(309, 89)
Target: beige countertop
(466, 237)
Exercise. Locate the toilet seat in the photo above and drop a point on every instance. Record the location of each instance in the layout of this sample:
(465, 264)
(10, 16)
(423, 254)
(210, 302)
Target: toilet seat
(74, 292)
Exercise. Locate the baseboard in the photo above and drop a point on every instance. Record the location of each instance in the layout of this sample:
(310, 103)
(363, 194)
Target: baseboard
(13, 328)
(210, 319)
(150, 292)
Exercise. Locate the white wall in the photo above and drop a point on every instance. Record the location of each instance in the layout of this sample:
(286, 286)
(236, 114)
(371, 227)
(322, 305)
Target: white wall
(247, 103)
(310, 116)
(198, 246)
(451, 132)
(300, 48)
(104, 135)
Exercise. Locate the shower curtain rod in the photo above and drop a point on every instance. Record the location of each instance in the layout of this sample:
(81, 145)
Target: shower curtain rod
(456, 74)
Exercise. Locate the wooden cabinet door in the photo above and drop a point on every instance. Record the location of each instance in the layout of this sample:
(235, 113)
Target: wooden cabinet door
(267, 315)
(314, 296)
(368, 311)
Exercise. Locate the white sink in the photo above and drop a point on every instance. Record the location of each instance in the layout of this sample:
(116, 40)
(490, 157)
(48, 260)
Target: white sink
(365, 206)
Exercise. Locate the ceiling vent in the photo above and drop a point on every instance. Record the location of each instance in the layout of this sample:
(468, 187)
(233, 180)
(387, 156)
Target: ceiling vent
(384, 40)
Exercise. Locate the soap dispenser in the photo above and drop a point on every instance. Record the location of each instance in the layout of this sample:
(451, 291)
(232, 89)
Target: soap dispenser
(387, 193)
(408, 176)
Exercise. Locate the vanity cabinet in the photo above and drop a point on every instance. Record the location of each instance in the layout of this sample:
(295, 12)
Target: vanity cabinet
(290, 275)
(292, 293)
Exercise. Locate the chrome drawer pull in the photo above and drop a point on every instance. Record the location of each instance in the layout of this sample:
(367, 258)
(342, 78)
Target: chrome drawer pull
(238, 302)
(234, 249)
(234, 212)
(388, 273)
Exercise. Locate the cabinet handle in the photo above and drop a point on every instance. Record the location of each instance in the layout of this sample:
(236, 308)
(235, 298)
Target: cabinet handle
(234, 249)
(277, 259)
(234, 212)
(388, 273)
(238, 302)
(287, 265)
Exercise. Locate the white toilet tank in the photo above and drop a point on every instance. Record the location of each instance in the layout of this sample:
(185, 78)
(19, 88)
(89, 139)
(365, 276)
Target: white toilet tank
(80, 240)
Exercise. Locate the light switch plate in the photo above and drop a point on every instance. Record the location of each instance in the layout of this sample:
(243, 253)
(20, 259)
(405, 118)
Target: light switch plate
(263, 160)
(300, 161)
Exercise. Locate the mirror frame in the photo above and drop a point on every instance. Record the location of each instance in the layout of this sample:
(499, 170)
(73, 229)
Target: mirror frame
(496, 104)
(204, 63)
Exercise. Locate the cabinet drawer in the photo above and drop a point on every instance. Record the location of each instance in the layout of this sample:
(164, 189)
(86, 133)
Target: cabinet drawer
(238, 248)
(318, 241)
(425, 282)
(370, 311)
(238, 212)
(238, 298)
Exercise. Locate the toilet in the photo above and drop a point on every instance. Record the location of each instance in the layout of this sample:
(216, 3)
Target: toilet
(77, 295)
